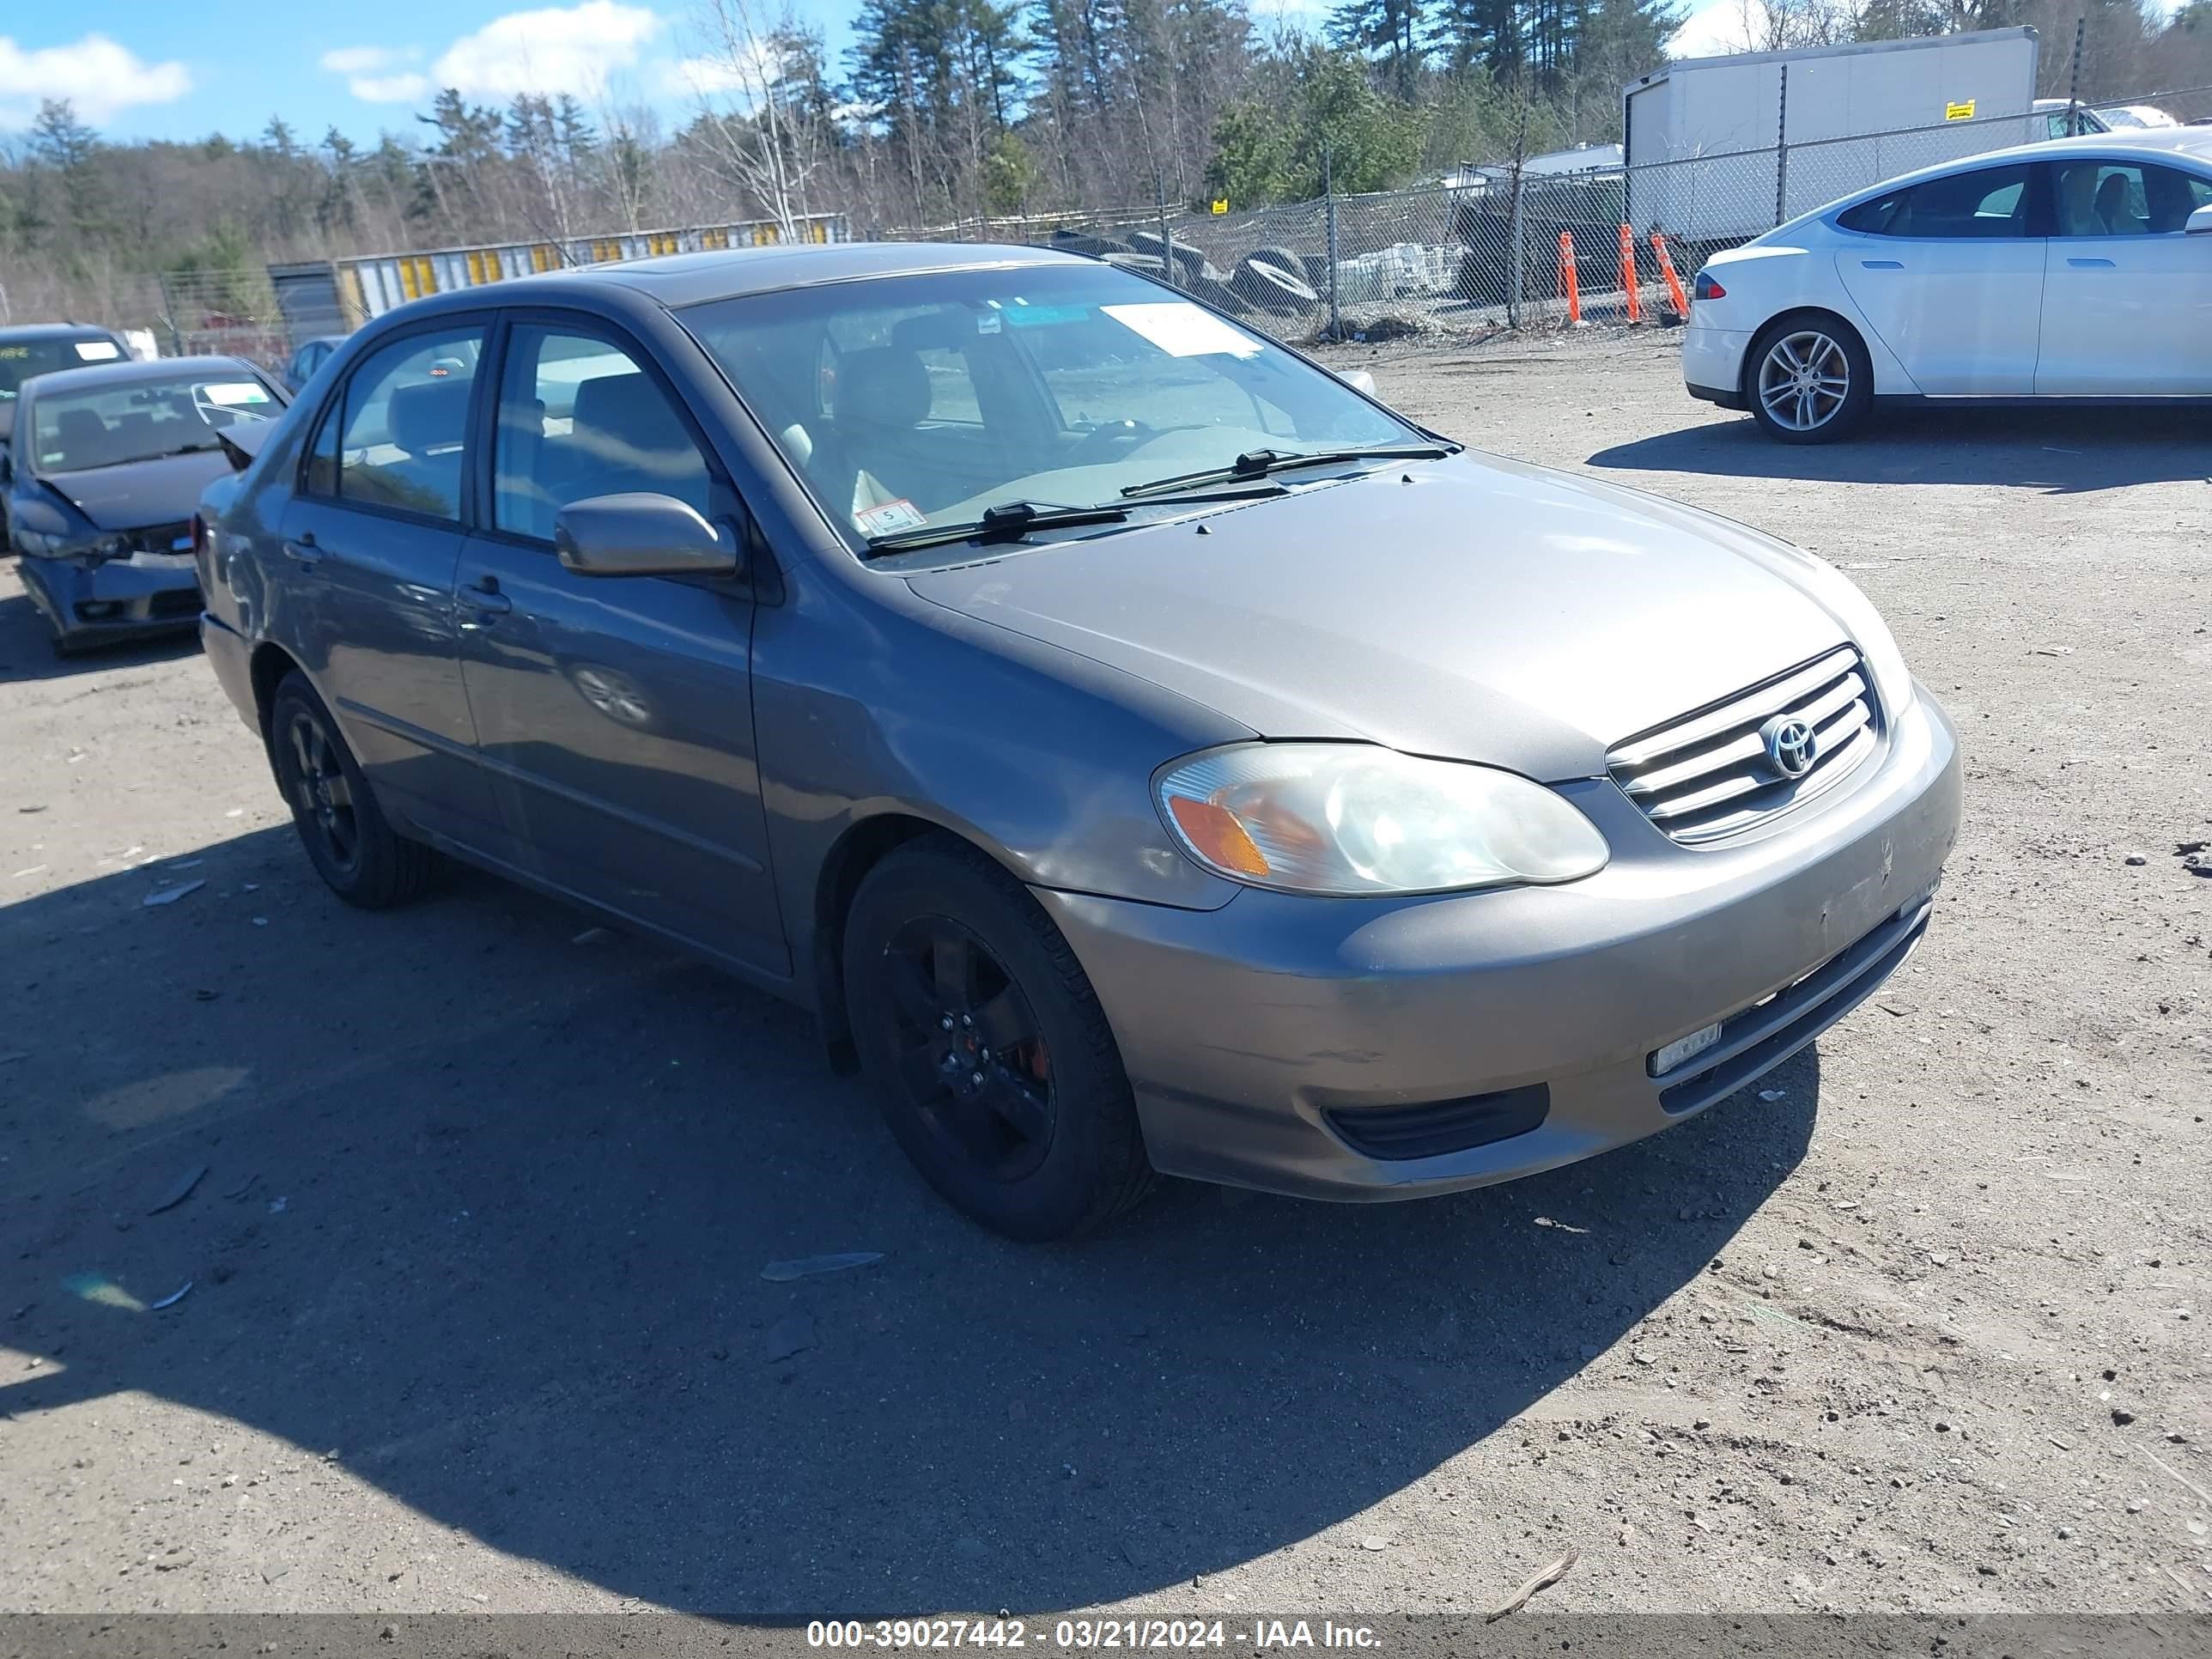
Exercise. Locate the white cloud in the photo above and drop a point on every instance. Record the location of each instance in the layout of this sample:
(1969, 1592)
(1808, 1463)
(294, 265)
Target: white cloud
(699, 78)
(405, 89)
(378, 74)
(1719, 28)
(94, 74)
(367, 60)
(561, 49)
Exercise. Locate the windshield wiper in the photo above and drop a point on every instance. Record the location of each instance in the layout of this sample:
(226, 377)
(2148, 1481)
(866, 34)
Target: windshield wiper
(1260, 463)
(1008, 521)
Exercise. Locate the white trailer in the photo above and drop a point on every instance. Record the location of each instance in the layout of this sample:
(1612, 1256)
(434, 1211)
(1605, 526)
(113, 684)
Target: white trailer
(1721, 149)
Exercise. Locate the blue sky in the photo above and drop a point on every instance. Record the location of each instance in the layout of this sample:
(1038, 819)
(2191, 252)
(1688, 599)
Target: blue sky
(153, 69)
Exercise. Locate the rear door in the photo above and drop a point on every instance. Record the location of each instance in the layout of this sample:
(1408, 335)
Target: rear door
(2127, 293)
(1949, 273)
(364, 588)
(614, 714)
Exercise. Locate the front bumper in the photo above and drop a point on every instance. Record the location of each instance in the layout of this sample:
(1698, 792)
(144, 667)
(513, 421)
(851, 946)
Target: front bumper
(86, 604)
(1713, 364)
(1279, 1041)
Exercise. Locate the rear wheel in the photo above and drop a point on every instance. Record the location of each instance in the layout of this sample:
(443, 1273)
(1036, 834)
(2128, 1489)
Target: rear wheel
(1808, 380)
(992, 1060)
(360, 857)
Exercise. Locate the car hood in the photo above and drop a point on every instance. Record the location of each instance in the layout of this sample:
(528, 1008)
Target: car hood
(1475, 608)
(130, 497)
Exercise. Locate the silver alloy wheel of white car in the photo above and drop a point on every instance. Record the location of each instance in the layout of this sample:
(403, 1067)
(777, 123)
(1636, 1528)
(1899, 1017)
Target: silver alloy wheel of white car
(1804, 380)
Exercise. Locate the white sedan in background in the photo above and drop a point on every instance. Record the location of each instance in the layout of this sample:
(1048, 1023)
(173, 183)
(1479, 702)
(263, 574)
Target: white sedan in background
(2079, 268)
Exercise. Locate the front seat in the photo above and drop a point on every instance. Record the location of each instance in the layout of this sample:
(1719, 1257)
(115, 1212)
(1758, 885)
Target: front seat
(84, 439)
(2114, 217)
(882, 397)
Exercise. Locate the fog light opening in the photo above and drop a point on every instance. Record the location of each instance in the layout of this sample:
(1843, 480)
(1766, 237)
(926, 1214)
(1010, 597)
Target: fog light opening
(99, 609)
(1683, 1048)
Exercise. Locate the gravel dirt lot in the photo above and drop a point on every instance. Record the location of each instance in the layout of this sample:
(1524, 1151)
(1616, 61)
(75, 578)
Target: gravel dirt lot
(477, 1319)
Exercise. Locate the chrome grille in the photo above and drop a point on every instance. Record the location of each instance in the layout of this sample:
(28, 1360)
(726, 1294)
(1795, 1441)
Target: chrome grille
(1710, 775)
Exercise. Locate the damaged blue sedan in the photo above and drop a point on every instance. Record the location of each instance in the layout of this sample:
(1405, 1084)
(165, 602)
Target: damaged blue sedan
(106, 468)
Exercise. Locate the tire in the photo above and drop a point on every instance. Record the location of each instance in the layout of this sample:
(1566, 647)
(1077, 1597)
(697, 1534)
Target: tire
(1812, 409)
(358, 853)
(1264, 282)
(1047, 1146)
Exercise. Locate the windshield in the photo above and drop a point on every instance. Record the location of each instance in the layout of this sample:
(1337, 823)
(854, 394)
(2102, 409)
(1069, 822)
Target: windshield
(142, 420)
(21, 359)
(908, 402)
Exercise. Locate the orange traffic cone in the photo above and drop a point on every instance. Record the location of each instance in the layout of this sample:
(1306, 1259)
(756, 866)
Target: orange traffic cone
(1628, 278)
(1682, 301)
(1569, 285)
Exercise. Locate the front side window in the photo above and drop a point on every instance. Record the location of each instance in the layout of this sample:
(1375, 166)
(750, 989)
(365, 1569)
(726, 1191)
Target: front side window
(142, 420)
(2126, 198)
(1989, 202)
(924, 400)
(404, 441)
(577, 417)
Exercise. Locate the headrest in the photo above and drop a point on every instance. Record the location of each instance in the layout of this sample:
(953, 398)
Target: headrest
(83, 433)
(431, 416)
(883, 387)
(631, 408)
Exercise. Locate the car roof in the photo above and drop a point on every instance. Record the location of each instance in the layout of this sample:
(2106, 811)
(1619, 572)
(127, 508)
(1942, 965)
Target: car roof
(2190, 143)
(95, 376)
(675, 280)
(23, 331)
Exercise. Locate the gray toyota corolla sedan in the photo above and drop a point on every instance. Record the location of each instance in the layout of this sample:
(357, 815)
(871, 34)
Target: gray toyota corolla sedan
(1143, 750)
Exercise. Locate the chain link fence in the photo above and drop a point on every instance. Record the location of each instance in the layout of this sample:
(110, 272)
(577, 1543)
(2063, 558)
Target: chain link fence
(1507, 246)
(1492, 247)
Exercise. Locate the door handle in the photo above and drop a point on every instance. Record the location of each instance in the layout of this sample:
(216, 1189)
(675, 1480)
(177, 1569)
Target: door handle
(484, 598)
(303, 551)
(2091, 264)
(1882, 265)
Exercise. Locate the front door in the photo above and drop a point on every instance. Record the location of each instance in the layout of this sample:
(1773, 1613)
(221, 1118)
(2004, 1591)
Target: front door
(614, 714)
(2127, 293)
(1946, 274)
(371, 539)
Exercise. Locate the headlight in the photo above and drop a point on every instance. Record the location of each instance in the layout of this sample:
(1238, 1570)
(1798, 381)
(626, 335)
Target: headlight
(1348, 818)
(54, 545)
(1841, 596)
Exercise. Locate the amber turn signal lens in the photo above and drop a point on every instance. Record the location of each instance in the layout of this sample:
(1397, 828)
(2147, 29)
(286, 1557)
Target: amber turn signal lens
(1217, 836)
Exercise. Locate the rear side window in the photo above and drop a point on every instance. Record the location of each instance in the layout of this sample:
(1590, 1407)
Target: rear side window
(405, 437)
(1989, 202)
(321, 476)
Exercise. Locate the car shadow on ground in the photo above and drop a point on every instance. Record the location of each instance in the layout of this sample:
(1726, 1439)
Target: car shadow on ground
(487, 1200)
(26, 647)
(2060, 451)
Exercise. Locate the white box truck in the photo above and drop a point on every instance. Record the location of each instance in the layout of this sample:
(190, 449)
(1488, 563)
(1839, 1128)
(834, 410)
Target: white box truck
(1721, 149)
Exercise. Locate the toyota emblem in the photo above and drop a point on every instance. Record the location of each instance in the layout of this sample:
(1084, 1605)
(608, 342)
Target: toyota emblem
(1792, 746)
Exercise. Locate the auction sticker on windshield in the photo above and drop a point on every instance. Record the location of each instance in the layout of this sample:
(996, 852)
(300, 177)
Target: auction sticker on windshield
(889, 516)
(1182, 329)
(97, 351)
(230, 393)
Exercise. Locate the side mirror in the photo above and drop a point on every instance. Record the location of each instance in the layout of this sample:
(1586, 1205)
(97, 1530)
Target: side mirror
(2200, 221)
(640, 535)
(1358, 379)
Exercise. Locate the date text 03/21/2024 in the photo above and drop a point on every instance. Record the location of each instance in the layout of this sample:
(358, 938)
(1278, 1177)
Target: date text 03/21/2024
(1088, 1634)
